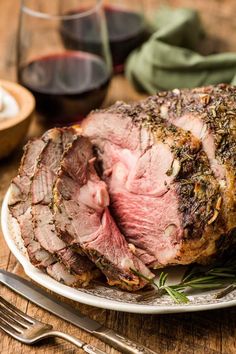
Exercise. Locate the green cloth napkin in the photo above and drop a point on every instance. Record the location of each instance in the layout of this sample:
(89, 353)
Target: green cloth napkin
(169, 58)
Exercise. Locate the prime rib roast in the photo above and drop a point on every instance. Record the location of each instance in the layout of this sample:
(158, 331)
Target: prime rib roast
(140, 186)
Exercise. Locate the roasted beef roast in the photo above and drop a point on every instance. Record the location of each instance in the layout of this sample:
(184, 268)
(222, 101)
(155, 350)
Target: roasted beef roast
(140, 186)
(169, 163)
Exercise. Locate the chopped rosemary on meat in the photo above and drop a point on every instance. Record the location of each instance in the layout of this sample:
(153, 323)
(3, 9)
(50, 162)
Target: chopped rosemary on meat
(196, 277)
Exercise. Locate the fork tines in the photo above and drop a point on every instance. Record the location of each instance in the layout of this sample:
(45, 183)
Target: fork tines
(12, 319)
(29, 331)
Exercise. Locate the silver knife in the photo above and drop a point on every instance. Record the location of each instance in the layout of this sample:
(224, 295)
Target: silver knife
(41, 298)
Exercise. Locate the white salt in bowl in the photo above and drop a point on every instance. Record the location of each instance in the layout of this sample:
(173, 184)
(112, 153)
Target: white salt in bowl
(14, 129)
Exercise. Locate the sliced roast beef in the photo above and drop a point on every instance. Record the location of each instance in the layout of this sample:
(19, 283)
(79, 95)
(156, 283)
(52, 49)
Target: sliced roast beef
(20, 186)
(59, 272)
(20, 201)
(42, 251)
(164, 195)
(82, 218)
(42, 214)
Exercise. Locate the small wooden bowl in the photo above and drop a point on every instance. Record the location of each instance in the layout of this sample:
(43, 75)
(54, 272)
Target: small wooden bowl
(13, 130)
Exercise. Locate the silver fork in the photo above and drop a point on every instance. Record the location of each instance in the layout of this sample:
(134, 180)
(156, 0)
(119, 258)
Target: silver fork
(29, 331)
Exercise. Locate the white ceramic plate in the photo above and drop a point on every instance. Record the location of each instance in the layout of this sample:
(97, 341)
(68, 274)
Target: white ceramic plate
(103, 296)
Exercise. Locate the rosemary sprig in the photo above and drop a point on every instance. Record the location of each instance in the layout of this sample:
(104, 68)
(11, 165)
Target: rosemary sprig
(196, 277)
(161, 288)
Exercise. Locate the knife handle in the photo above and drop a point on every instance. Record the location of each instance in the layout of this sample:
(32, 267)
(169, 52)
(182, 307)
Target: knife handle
(123, 344)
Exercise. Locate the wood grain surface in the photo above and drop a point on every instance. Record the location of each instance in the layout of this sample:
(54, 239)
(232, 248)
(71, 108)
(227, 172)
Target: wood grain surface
(212, 332)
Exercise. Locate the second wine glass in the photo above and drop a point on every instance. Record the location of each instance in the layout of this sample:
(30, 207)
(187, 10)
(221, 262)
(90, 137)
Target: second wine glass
(126, 27)
(67, 80)
(125, 24)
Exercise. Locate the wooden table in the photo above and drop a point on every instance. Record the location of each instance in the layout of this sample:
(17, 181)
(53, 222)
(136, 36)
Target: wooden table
(210, 332)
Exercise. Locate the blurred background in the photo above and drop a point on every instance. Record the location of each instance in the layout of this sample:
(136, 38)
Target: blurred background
(217, 17)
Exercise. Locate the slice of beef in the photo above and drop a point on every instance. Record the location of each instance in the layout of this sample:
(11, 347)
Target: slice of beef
(164, 195)
(20, 202)
(21, 208)
(59, 272)
(42, 214)
(82, 218)
(20, 186)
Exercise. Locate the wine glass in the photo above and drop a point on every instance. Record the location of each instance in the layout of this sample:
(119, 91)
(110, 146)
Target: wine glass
(68, 79)
(126, 28)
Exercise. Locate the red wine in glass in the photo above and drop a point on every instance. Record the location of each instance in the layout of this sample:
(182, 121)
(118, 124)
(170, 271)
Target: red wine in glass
(126, 32)
(66, 85)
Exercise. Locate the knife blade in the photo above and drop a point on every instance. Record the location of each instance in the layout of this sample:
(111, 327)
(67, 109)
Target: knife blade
(48, 302)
